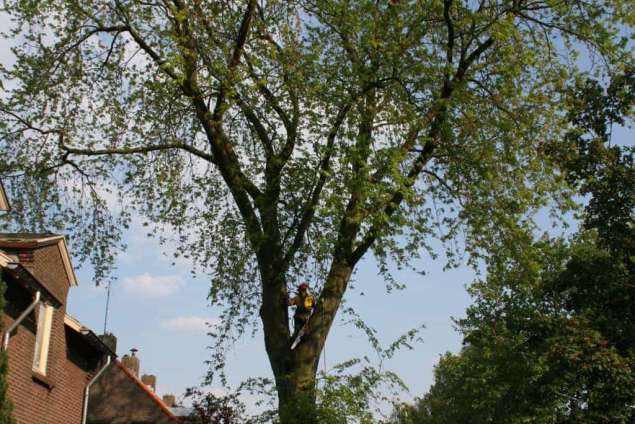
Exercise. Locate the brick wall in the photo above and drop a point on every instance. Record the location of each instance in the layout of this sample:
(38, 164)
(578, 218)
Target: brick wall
(58, 397)
(48, 268)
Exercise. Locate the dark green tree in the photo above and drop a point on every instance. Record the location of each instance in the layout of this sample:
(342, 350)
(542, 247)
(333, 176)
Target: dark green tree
(210, 408)
(552, 340)
(278, 139)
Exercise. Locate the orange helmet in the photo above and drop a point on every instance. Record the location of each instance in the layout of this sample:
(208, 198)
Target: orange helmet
(303, 286)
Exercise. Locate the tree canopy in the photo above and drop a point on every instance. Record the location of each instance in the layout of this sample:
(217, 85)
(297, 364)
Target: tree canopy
(278, 140)
(554, 342)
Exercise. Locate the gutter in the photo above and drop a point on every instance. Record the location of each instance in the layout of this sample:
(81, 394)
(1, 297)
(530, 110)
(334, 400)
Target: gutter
(27, 311)
(90, 383)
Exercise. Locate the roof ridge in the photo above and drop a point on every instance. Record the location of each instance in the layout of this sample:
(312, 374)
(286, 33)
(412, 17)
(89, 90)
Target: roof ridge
(31, 234)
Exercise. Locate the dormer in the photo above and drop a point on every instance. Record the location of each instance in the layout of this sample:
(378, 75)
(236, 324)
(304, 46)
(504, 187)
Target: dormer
(46, 256)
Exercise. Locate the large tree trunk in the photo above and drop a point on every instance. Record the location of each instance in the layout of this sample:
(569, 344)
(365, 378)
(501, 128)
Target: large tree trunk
(295, 370)
(296, 390)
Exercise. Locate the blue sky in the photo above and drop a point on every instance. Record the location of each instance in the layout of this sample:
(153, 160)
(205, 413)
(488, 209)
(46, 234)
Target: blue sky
(158, 309)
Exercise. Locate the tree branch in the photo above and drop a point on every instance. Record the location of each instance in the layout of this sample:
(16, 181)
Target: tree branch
(234, 60)
(308, 211)
(163, 64)
(224, 156)
(117, 29)
(141, 149)
(447, 4)
(288, 147)
(258, 126)
(395, 200)
(269, 96)
(426, 153)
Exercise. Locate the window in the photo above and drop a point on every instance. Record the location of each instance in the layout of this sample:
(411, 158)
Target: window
(42, 338)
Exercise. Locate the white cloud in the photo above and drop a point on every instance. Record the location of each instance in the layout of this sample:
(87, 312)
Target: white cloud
(191, 323)
(153, 286)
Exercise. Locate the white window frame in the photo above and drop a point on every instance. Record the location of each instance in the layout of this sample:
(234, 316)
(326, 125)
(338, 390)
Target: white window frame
(43, 338)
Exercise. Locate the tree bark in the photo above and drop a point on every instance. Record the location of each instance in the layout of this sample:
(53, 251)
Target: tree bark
(295, 370)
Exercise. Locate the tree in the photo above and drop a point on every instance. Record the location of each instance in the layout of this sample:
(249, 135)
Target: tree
(554, 342)
(557, 348)
(550, 346)
(278, 140)
(210, 408)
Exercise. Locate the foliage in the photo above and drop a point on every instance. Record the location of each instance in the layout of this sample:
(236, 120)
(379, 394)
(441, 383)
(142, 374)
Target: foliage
(553, 347)
(554, 342)
(209, 408)
(278, 140)
(358, 390)
(355, 391)
(603, 171)
(357, 397)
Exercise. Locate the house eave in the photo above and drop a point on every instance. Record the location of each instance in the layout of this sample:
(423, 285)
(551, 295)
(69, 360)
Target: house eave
(10, 241)
(25, 278)
(88, 335)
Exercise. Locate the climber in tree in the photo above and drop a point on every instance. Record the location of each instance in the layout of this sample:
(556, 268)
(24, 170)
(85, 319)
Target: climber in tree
(304, 303)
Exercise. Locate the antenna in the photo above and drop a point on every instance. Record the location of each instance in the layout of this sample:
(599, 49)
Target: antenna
(107, 306)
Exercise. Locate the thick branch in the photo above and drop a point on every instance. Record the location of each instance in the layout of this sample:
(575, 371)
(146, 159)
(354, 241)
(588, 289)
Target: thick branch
(224, 155)
(467, 62)
(308, 211)
(234, 60)
(163, 64)
(447, 4)
(395, 200)
(258, 126)
(350, 223)
(141, 149)
(425, 155)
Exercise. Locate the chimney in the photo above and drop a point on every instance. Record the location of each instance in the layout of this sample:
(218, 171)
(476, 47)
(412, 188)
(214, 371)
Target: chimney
(150, 381)
(131, 362)
(169, 400)
(109, 340)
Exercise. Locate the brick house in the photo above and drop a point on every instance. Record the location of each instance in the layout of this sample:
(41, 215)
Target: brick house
(119, 396)
(51, 356)
(53, 360)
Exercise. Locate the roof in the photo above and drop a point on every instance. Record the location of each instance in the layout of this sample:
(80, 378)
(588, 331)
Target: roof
(25, 278)
(40, 239)
(164, 408)
(4, 200)
(89, 336)
(36, 240)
